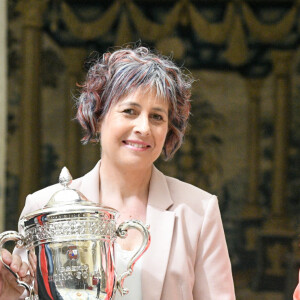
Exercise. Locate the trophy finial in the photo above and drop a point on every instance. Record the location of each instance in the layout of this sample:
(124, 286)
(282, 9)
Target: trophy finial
(65, 177)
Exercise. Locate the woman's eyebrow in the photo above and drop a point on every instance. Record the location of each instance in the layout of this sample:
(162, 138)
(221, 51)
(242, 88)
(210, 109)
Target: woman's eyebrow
(129, 103)
(132, 103)
(159, 109)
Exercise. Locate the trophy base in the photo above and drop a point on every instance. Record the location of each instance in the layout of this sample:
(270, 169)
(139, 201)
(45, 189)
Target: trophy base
(68, 294)
(81, 294)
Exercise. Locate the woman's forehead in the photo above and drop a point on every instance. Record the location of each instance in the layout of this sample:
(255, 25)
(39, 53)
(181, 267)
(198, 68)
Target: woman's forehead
(142, 94)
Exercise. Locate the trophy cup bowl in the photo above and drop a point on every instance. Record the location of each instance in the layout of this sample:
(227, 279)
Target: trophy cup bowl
(73, 240)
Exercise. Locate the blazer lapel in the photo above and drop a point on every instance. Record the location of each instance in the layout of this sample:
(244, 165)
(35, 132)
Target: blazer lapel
(161, 223)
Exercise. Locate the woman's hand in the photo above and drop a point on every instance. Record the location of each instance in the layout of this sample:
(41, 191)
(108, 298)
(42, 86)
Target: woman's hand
(9, 289)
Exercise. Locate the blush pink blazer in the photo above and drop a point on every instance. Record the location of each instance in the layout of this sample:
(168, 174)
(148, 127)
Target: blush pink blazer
(188, 257)
(297, 291)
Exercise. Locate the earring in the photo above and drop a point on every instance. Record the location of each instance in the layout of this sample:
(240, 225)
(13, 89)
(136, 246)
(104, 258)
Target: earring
(97, 138)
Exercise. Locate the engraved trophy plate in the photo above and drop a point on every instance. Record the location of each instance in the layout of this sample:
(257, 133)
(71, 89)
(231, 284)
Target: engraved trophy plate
(73, 241)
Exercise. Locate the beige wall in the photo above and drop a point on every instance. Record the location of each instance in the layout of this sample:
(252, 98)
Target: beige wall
(3, 99)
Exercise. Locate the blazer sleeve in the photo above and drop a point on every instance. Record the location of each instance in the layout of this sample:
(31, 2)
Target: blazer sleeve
(213, 276)
(296, 295)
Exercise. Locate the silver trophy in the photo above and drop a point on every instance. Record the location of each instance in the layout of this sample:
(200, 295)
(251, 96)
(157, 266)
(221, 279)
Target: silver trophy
(73, 240)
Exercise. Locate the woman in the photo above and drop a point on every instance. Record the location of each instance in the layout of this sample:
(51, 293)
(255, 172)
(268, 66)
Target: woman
(137, 104)
(297, 291)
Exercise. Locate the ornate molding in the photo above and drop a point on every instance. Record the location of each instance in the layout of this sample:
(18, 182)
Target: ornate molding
(239, 22)
(94, 29)
(32, 12)
(281, 62)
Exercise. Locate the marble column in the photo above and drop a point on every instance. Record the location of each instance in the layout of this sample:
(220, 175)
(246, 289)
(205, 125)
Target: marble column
(30, 124)
(278, 219)
(3, 105)
(74, 58)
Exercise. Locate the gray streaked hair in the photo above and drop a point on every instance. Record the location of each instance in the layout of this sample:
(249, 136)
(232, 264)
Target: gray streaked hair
(122, 72)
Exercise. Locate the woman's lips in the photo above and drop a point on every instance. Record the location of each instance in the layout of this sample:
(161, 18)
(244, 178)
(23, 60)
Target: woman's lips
(137, 145)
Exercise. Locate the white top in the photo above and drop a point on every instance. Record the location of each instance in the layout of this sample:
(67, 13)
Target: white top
(132, 282)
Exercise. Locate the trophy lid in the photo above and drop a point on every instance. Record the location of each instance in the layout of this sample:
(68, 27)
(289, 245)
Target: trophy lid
(68, 200)
(67, 196)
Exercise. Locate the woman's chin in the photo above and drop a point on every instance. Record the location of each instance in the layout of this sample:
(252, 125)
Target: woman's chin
(135, 163)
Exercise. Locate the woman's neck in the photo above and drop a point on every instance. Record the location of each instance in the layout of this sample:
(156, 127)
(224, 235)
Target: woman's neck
(120, 187)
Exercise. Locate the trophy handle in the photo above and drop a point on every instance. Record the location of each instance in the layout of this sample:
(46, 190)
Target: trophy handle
(122, 233)
(19, 239)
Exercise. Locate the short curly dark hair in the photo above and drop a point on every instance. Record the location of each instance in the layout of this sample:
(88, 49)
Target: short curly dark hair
(122, 72)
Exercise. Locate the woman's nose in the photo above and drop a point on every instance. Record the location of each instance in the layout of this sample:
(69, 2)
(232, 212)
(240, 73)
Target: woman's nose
(142, 125)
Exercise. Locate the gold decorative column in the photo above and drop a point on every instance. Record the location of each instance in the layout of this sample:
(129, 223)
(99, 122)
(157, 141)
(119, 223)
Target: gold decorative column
(252, 210)
(251, 217)
(3, 110)
(276, 236)
(30, 138)
(74, 58)
(278, 219)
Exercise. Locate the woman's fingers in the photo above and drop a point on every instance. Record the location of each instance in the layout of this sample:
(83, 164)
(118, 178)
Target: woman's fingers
(23, 269)
(31, 270)
(9, 288)
(27, 279)
(16, 263)
(32, 263)
(32, 259)
(6, 256)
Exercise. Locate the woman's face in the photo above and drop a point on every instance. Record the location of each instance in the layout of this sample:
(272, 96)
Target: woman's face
(134, 130)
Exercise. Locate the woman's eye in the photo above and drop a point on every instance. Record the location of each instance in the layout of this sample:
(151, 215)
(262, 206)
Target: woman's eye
(129, 111)
(157, 117)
